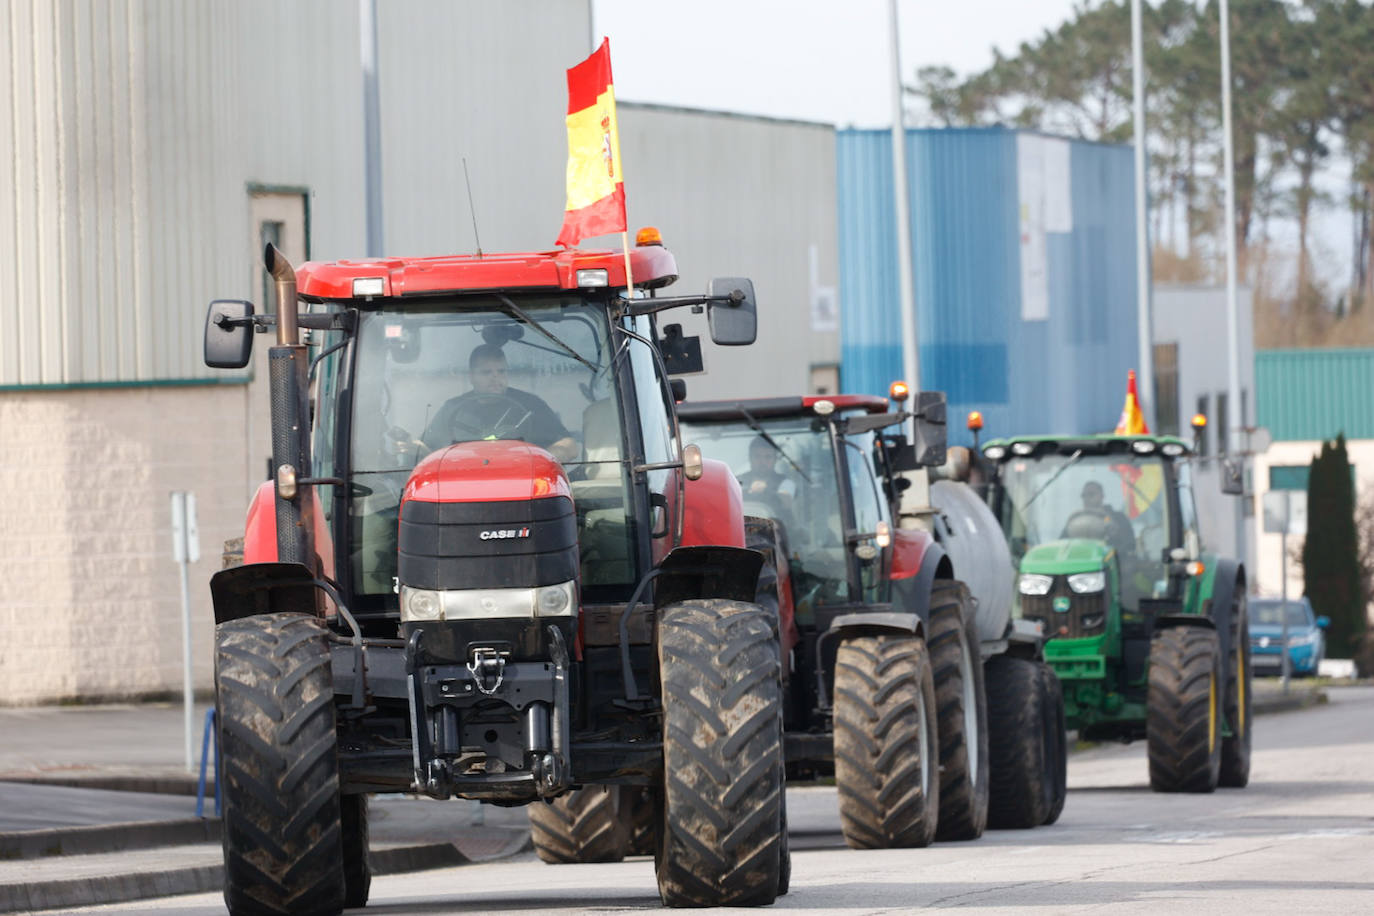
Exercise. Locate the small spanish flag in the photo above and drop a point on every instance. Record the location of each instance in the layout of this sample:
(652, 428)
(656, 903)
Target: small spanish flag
(1132, 422)
(596, 189)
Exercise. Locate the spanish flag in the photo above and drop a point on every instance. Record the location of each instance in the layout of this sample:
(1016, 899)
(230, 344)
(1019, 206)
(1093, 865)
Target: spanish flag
(596, 189)
(1132, 422)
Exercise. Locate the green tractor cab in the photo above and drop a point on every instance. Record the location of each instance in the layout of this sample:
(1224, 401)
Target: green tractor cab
(1146, 630)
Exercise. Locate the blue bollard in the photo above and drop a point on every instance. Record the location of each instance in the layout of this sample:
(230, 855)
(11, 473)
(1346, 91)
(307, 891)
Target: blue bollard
(204, 758)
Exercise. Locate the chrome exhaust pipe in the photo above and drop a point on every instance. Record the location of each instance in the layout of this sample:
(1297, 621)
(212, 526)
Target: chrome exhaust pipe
(288, 334)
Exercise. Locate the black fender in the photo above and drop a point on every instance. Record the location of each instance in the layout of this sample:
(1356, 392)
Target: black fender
(893, 621)
(912, 594)
(707, 572)
(263, 588)
(1229, 576)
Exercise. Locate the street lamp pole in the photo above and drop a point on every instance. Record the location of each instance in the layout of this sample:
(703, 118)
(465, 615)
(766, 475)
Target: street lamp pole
(1234, 420)
(1144, 324)
(911, 359)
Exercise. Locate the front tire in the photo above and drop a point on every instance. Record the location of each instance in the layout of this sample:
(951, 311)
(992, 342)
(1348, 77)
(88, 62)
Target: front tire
(282, 833)
(1182, 720)
(1056, 741)
(356, 854)
(720, 836)
(962, 708)
(886, 747)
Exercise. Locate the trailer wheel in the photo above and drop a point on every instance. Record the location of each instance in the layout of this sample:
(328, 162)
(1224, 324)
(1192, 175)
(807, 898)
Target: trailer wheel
(356, 860)
(962, 708)
(1235, 750)
(886, 747)
(721, 828)
(1182, 715)
(1022, 764)
(1056, 741)
(581, 826)
(283, 851)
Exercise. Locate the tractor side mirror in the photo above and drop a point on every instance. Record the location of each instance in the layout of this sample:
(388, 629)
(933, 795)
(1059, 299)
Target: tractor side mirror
(1232, 476)
(930, 428)
(734, 323)
(228, 334)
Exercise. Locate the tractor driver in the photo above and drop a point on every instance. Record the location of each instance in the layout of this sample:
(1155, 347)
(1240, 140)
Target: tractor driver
(494, 410)
(763, 482)
(1118, 531)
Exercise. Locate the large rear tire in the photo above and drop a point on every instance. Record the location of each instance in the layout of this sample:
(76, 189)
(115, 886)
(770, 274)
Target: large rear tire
(961, 702)
(585, 825)
(1182, 716)
(721, 829)
(1235, 750)
(1056, 741)
(1021, 759)
(282, 833)
(886, 747)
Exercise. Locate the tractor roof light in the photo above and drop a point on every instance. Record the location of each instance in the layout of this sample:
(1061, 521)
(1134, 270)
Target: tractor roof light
(1023, 448)
(1199, 421)
(593, 277)
(824, 407)
(1196, 568)
(369, 286)
(899, 391)
(975, 420)
(1172, 449)
(994, 452)
(648, 236)
(1143, 447)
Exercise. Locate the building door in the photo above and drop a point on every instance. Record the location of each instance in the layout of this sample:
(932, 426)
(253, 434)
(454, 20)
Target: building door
(279, 216)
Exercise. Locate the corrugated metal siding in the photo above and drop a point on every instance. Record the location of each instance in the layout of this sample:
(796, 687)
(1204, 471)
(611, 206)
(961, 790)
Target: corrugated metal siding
(1063, 374)
(137, 127)
(1306, 395)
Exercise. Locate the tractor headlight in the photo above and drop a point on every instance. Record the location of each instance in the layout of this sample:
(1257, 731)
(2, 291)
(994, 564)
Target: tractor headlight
(1035, 584)
(477, 603)
(1083, 583)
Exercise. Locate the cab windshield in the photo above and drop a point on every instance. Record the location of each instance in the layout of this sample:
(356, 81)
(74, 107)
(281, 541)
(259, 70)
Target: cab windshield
(786, 471)
(426, 378)
(1119, 499)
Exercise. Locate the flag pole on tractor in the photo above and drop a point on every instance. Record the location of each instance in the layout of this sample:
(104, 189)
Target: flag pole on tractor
(596, 186)
(1132, 422)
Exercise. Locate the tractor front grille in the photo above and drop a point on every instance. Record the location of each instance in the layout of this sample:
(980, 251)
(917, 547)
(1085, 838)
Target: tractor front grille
(1086, 616)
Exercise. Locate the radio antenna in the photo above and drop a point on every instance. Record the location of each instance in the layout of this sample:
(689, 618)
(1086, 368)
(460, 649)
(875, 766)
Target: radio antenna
(472, 208)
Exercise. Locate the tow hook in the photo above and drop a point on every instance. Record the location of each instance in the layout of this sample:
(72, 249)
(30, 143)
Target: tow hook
(488, 669)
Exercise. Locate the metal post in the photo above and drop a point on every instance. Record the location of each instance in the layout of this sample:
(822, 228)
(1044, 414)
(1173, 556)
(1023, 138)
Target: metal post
(1283, 592)
(1144, 324)
(185, 551)
(372, 126)
(911, 358)
(1234, 421)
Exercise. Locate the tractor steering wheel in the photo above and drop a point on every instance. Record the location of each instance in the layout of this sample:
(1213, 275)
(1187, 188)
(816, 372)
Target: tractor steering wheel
(1088, 523)
(488, 416)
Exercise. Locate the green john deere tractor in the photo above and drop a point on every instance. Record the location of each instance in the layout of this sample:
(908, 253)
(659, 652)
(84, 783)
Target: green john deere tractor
(1147, 631)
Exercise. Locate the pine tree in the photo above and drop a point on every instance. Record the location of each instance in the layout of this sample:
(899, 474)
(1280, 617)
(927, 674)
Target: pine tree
(1330, 554)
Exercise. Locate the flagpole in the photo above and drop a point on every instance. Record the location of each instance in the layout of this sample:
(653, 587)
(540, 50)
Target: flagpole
(629, 277)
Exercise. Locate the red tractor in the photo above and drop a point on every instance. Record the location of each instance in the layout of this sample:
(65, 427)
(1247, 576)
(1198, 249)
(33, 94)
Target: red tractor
(885, 648)
(486, 568)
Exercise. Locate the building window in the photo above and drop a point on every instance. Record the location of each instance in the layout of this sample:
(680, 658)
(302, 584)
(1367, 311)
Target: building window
(1202, 403)
(1294, 476)
(1223, 425)
(1166, 388)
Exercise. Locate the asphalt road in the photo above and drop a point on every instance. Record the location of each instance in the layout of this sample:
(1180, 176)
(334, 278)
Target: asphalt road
(1300, 839)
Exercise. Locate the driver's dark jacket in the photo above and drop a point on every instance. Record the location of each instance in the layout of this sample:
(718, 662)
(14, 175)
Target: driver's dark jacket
(542, 427)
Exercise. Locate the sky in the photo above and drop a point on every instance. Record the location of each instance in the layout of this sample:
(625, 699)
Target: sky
(812, 60)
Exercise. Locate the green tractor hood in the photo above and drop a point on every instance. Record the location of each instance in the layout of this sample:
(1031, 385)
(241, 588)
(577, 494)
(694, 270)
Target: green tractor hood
(1062, 558)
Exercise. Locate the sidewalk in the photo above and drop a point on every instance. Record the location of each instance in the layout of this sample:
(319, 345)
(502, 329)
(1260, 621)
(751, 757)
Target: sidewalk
(96, 806)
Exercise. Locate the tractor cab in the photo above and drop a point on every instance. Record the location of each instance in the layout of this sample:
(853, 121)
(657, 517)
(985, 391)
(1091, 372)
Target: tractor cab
(1094, 520)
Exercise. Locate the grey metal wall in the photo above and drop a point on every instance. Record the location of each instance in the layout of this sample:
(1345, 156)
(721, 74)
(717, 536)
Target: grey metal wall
(137, 127)
(740, 196)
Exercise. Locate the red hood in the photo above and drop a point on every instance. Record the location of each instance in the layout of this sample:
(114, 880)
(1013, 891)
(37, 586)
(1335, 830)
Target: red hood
(487, 471)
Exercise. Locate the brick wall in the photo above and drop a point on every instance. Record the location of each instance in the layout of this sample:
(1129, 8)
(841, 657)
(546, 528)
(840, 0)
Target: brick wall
(90, 598)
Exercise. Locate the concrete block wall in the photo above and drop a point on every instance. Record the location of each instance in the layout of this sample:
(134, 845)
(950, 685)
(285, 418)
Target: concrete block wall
(90, 597)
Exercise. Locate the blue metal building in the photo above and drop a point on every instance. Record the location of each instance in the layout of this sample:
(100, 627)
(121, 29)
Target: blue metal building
(1023, 255)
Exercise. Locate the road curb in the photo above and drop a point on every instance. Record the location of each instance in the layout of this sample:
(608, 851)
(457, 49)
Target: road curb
(199, 879)
(69, 841)
(1272, 702)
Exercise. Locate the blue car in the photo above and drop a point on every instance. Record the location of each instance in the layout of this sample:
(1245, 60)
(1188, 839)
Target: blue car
(1306, 641)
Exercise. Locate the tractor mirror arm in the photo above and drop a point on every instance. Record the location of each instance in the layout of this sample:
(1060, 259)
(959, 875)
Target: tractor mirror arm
(662, 304)
(320, 321)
